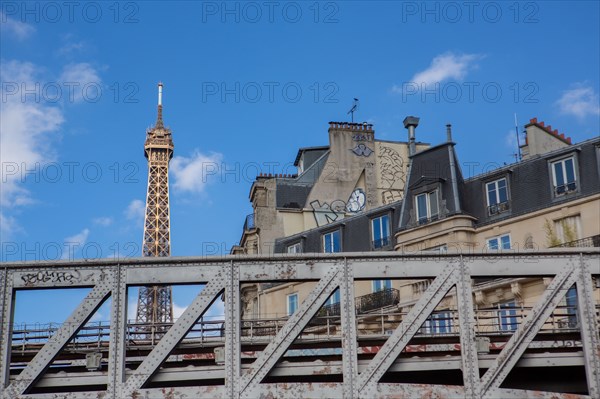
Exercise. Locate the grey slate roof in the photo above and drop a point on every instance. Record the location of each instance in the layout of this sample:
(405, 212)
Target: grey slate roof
(530, 186)
(356, 232)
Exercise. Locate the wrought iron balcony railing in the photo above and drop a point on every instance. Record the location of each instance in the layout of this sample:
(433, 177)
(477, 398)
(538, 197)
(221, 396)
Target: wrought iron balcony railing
(249, 223)
(381, 243)
(495, 209)
(366, 303)
(593, 241)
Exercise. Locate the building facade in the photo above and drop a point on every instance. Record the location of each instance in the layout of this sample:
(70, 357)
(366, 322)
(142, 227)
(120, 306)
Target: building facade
(550, 197)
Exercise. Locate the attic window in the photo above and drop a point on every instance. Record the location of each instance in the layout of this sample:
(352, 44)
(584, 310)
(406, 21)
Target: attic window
(563, 176)
(427, 206)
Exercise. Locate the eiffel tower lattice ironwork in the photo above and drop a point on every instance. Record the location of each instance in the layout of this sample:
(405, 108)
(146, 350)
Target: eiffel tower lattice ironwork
(155, 303)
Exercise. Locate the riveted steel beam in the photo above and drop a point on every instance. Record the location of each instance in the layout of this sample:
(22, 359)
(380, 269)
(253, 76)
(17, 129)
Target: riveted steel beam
(286, 336)
(527, 330)
(388, 353)
(61, 337)
(589, 326)
(466, 319)
(174, 335)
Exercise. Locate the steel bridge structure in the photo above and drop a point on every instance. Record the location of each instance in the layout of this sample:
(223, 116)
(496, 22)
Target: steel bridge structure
(307, 354)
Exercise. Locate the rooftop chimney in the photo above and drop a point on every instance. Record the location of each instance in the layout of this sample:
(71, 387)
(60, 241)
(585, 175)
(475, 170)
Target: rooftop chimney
(411, 122)
(448, 133)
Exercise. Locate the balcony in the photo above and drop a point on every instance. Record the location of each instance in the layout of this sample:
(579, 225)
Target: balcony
(366, 303)
(249, 223)
(565, 188)
(377, 300)
(381, 243)
(593, 241)
(501, 207)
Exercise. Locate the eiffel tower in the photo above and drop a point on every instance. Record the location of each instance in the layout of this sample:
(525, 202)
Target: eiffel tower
(155, 304)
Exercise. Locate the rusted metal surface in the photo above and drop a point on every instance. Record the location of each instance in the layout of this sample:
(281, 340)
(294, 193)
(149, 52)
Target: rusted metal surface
(295, 361)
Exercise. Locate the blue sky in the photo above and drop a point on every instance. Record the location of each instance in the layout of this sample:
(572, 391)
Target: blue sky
(246, 85)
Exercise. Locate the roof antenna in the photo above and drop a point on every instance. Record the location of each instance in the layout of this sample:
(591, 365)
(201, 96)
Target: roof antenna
(518, 154)
(353, 109)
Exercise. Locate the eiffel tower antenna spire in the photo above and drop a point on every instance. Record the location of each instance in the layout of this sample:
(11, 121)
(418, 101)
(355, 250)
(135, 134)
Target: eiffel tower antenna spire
(155, 304)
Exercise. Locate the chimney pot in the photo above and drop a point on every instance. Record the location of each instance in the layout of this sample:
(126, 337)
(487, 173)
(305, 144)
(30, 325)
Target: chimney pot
(448, 132)
(410, 122)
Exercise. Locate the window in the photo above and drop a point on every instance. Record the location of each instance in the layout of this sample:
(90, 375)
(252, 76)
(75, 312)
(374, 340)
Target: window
(294, 248)
(507, 316)
(334, 298)
(563, 176)
(571, 299)
(331, 242)
(497, 196)
(427, 207)
(380, 228)
(500, 242)
(568, 229)
(292, 303)
(442, 249)
(381, 285)
(439, 323)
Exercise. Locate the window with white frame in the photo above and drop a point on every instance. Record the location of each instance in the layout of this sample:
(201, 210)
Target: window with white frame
(427, 206)
(380, 231)
(438, 323)
(332, 242)
(292, 303)
(500, 242)
(497, 196)
(294, 248)
(334, 298)
(568, 229)
(507, 316)
(563, 176)
(381, 285)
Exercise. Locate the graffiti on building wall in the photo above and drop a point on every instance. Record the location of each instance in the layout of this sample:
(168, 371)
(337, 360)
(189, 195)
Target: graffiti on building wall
(392, 174)
(326, 213)
(362, 150)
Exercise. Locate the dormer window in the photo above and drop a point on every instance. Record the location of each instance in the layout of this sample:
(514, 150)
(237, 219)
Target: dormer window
(497, 196)
(563, 176)
(427, 206)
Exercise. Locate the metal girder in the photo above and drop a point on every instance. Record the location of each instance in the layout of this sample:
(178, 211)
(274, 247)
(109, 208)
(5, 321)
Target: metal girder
(349, 344)
(589, 328)
(7, 309)
(286, 336)
(468, 347)
(232, 332)
(526, 331)
(388, 353)
(174, 335)
(118, 321)
(332, 270)
(61, 337)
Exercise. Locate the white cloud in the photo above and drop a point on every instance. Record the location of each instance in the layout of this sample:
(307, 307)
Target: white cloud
(444, 67)
(178, 310)
(71, 47)
(74, 243)
(579, 101)
(20, 30)
(27, 131)
(192, 173)
(135, 210)
(85, 82)
(103, 221)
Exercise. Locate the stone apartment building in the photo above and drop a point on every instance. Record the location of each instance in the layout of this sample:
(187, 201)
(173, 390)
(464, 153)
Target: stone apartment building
(551, 197)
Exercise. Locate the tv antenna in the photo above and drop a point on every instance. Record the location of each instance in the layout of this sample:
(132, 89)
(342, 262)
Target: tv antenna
(353, 109)
(518, 155)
